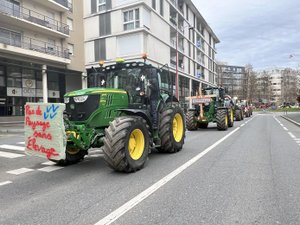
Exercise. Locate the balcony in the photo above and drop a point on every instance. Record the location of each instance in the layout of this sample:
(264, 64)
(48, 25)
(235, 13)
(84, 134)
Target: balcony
(11, 42)
(16, 15)
(57, 5)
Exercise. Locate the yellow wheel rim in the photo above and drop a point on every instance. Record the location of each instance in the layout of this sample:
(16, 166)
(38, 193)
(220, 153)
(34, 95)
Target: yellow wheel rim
(136, 144)
(231, 115)
(178, 127)
(226, 121)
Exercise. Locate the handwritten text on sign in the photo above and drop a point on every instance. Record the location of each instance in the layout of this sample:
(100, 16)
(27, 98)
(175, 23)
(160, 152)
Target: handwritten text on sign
(44, 130)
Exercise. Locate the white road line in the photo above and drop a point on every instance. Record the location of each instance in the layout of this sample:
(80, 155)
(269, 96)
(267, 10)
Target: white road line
(49, 169)
(297, 139)
(291, 134)
(284, 128)
(10, 155)
(20, 171)
(5, 183)
(21, 143)
(13, 147)
(48, 163)
(242, 125)
(113, 216)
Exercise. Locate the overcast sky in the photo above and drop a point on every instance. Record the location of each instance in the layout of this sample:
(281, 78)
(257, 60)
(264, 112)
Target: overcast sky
(265, 33)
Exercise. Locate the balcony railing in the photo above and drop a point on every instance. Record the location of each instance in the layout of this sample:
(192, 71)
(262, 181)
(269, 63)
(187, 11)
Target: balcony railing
(65, 3)
(11, 38)
(15, 10)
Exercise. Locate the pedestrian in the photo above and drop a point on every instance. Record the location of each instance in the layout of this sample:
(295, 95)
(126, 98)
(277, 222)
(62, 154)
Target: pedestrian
(153, 98)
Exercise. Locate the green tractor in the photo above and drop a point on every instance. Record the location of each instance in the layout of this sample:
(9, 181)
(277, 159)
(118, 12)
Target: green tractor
(214, 107)
(114, 114)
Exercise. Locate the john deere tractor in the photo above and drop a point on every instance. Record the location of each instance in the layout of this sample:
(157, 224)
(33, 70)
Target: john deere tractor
(211, 106)
(114, 114)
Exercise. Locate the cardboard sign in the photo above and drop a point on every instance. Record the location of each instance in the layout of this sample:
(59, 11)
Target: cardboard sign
(203, 100)
(44, 130)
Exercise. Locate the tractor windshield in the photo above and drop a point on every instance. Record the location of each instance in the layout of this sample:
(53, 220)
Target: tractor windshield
(211, 91)
(129, 79)
(97, 79)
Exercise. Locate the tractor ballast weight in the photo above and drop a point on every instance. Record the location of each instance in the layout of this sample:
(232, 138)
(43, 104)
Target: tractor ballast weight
(211, 106)
(114, 115)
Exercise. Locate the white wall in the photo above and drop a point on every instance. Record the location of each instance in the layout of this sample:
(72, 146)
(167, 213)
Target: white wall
(91, 27)
(89, 52)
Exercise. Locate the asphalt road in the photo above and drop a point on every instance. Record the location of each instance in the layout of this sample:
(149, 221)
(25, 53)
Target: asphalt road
(249, 174)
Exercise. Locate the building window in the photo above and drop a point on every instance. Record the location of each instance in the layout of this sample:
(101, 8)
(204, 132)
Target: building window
(101, 5)
(70, 23)
(100, 49)
(131, 19)
(71, 49)
(104, 23)
(154, 4)
(161, 8)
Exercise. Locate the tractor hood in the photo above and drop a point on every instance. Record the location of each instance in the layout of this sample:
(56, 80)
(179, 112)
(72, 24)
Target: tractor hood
(92, 91)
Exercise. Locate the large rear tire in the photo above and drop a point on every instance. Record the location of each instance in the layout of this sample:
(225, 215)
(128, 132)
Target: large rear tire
(222, 119)
(171, 129)
(230, 118)
(126, 144)
(191, 123)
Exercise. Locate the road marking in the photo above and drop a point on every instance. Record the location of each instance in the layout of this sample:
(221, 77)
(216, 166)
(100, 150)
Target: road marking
(21, 143)
(48, 163)
(49, 169)
(5, 183)
(113, 216)
(20, 171)
(10, 155)
(13, 147)
(291, 134)
(284, 128)
(297, 139)
(242, 125)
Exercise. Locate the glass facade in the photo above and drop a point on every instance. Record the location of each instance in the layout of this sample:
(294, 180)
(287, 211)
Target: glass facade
(21, 82)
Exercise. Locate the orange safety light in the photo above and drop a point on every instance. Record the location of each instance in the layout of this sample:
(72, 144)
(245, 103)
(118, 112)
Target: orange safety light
(101, 63)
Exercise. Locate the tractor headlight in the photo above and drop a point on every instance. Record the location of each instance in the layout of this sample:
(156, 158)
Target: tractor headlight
(80, 99)
(66, 100)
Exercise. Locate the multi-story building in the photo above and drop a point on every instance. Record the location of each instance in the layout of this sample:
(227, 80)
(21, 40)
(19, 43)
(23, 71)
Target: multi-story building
(41, 51)
(234, 79)
(168, 31)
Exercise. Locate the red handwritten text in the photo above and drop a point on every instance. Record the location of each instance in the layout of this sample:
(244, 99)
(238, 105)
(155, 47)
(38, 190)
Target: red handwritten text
(39, 148)
(34, 124)
(30, 111)
(42, 135)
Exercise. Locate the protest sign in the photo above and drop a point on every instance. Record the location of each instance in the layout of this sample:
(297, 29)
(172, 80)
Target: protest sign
(44, 130)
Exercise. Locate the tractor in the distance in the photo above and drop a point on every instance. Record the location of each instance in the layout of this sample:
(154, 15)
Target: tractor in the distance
(211, 106)
(114, 114)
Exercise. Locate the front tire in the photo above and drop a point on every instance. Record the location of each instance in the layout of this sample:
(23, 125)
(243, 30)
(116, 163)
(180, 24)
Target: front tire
(222, 119)
(191, 123)
(171, 129)
(126, 144)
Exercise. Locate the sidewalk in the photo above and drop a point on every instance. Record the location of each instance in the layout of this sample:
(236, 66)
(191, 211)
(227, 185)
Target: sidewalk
(293, 117)
(12, 127)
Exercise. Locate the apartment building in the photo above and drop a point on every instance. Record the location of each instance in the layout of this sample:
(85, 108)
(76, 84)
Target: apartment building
(234, 79)
(41, 51)
(170, 32)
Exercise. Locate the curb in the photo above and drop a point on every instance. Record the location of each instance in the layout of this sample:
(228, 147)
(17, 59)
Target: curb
(11, 131)
(292, 121)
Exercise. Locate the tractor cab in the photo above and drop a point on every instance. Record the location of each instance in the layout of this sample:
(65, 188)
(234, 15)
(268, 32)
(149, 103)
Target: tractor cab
(133, 77)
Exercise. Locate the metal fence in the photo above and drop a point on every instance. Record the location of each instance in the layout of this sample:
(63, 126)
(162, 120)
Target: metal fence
(15, 10)
(15, 39)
